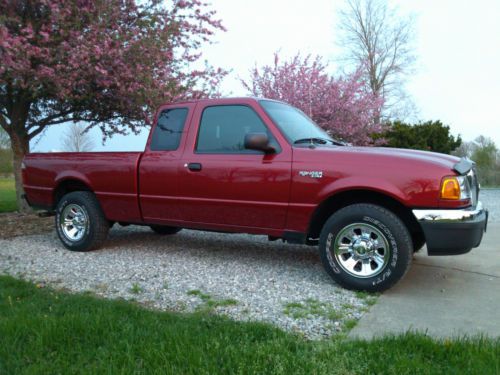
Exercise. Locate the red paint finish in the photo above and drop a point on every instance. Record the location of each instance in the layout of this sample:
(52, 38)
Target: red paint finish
(246, 190)
(253, 193)
(110, 175)
(411, 177)
(159, 181)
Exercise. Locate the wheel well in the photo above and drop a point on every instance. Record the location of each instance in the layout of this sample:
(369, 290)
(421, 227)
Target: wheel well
(68, 186)
(346, 198)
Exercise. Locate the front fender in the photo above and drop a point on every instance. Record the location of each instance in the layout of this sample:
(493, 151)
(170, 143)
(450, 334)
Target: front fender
(378, 185)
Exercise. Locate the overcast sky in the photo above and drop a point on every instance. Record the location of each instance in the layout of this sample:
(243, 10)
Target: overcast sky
(456, 79)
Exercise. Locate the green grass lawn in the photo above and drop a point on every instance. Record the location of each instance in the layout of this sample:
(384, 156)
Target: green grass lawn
(7, 195)
(48, 332)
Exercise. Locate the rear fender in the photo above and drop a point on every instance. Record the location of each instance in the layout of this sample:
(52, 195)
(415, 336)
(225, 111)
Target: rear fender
(72, 175)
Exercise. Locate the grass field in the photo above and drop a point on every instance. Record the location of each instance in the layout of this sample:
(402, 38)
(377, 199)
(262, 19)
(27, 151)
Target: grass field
(7, 195)
(43, 331)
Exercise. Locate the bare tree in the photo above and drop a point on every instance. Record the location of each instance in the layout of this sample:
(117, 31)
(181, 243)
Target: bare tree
(379, 40)
(76, 139)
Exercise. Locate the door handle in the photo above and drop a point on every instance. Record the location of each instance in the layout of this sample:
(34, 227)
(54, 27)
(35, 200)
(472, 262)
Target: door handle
(195, 167)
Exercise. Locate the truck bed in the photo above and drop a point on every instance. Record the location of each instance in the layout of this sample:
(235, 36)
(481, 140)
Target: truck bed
(112, 176)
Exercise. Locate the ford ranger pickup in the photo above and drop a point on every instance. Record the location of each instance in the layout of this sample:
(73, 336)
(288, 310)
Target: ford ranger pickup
(258, 166)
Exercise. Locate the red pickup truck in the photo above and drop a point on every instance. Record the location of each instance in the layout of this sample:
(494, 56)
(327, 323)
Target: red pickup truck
(248, 165)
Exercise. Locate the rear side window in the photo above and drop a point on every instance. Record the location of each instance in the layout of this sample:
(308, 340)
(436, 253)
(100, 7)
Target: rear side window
(223, 129)
(168, 131)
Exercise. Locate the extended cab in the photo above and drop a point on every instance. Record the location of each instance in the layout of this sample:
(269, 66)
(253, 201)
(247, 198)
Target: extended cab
(248, 165)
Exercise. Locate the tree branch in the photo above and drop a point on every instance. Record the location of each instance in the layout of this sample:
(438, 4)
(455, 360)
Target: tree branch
(41, 127)
(51, 120)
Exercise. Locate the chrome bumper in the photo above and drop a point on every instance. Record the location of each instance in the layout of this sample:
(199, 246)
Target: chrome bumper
(452, 232)
(449, 216)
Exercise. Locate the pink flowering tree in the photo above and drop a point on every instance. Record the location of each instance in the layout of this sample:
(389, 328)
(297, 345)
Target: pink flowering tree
(342, 106)
(107, 63)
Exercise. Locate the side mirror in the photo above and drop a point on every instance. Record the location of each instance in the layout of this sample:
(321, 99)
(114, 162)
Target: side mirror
(259, 142)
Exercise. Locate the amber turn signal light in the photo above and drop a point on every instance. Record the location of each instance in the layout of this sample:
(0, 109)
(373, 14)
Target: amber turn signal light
(450, 188)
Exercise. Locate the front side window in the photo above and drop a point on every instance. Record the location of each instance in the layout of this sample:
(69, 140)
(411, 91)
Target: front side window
(168, 131)
(223, 129)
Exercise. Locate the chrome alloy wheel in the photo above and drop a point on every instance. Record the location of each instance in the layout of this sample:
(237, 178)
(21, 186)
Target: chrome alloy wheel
(361, 250)
(74, 222)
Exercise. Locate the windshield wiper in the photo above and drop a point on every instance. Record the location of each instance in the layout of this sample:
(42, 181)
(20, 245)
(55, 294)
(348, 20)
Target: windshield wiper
(321, 141)
(311, 140)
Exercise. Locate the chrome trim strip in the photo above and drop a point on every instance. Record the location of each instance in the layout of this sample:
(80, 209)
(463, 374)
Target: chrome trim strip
(460, 215)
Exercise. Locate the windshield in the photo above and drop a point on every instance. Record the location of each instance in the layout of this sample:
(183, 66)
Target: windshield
(294, 124)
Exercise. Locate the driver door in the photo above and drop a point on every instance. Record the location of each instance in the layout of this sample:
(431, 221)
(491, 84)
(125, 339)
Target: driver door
(227, 186)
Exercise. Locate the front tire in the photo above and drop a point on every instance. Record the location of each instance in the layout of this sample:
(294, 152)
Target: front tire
(365, 247)
(80, 222)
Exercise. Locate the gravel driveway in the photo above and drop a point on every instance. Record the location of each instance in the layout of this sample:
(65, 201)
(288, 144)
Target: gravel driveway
(244, 277)
(241, 276)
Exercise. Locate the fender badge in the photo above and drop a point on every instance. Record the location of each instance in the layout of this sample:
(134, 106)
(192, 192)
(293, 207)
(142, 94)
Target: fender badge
(312, 174)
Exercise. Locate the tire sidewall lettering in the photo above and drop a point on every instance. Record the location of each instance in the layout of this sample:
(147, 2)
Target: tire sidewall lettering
(387, 272)
(392, 240)
(332, 263)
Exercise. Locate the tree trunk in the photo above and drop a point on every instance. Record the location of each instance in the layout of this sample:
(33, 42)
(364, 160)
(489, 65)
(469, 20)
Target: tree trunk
(20, 145)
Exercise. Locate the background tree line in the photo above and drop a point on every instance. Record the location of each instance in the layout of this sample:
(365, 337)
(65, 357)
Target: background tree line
(487, 156)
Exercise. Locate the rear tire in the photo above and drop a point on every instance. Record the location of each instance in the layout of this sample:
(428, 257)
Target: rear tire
(164, 230)
(365, 247)
(80, 222)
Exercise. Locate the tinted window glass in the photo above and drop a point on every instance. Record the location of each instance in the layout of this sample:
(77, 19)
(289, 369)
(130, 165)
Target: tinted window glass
(168, 131)
(223, 129)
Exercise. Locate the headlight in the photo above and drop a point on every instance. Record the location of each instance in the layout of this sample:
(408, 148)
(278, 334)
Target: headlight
(455, 188)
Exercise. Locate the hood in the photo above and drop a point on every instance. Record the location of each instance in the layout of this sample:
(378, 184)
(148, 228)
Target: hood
(443, 160)
(383, 155)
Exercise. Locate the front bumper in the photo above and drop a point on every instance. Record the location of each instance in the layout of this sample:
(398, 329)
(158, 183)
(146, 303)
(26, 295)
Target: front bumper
(452, 232)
